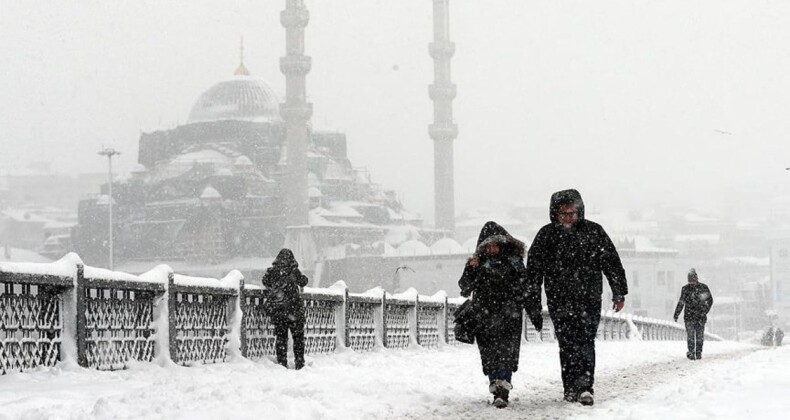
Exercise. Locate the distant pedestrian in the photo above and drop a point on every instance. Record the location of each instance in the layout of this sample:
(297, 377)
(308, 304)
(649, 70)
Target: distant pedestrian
(778, 336)
(697, 300)
(494, 276)
(768, 337)
(568, 257)
(285, 306)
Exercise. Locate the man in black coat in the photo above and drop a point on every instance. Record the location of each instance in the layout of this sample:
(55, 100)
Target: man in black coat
(285, 306)
(568, 257)
(697, 299)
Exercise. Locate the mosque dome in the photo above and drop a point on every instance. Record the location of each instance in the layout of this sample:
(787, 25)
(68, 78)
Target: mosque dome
(242, 98)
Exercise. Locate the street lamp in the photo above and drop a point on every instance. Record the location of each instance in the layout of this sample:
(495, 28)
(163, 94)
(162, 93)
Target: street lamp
(109, 152)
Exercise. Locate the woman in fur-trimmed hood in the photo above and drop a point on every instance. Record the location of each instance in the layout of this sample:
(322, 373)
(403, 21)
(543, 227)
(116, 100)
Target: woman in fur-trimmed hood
(495, 277)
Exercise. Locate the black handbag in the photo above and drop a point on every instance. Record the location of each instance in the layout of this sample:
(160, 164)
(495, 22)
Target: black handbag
(466, 324)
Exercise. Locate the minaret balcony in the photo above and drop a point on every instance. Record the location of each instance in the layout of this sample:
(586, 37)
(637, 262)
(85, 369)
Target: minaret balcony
(296, 112)
(443, 131)
(297, 65)
(441, 49)
(295, 18)
(442, 91)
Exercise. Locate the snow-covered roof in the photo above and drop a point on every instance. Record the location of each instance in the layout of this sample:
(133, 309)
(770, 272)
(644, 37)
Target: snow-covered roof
(398, 234)
(343, 209)
(446, 246)
(210, 193)
(641, 243)
(413, 247)
(702, 237)
(756, 261)
(243, 161)
(505, 221)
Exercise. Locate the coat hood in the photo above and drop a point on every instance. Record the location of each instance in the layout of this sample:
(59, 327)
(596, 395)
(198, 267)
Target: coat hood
(492, 232)
(560, 198)
(285, 260)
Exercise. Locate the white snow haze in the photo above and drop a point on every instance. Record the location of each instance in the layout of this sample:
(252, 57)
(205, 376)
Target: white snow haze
(632, 102)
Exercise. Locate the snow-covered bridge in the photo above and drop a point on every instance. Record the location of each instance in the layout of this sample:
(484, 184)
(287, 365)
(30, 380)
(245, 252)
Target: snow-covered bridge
(70, 312)
(371, 355)
(635, 379)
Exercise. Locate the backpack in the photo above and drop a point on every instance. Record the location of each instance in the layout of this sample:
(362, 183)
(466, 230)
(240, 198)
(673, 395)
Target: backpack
(283, 297)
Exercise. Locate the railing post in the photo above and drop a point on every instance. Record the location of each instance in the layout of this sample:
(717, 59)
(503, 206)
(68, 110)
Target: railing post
(81, 322)
(347, 333)
(341, 322)
(444, 326)
(242, 299)
(171, 317)
(414, 323)
(384, 319)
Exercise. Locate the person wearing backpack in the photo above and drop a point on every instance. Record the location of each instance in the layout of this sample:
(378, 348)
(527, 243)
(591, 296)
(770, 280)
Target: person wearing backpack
(285, 306)
(697, 300)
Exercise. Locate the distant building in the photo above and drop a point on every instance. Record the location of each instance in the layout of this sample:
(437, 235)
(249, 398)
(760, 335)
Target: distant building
(655, 276)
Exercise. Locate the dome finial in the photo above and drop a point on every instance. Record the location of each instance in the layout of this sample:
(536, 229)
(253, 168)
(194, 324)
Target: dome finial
(242, 70)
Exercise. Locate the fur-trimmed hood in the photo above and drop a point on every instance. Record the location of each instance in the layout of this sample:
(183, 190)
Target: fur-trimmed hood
(492, 232)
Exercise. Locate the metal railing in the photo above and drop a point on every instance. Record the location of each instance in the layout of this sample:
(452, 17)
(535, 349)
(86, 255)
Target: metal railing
(104, 320)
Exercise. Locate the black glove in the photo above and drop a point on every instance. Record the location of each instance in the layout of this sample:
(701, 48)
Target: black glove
(675, 318)
(537, 320)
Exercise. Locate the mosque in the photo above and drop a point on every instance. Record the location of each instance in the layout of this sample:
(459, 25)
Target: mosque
(247, 174)
(213, 188)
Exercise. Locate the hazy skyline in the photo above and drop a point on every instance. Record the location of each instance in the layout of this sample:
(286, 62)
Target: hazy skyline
(632, 102)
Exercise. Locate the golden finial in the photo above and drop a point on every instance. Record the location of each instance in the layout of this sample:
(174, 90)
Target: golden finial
(242, 70)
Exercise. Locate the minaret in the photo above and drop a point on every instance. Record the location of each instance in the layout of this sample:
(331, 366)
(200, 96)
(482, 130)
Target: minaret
(296, 111)
(443, 131)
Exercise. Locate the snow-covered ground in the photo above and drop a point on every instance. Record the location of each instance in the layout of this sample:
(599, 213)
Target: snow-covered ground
(639, 380)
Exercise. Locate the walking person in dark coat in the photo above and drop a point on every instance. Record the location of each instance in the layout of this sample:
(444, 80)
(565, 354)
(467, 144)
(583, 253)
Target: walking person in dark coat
(285, 306)
(495, 276)
(568, 257)
(697, 299)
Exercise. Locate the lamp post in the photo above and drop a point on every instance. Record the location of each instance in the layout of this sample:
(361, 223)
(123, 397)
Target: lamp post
(109, 152)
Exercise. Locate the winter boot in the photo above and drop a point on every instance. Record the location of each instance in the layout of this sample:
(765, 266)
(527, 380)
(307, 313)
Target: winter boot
(571, 396)
(501, 390)
(501, 398)
(586, 398)
(690, 355)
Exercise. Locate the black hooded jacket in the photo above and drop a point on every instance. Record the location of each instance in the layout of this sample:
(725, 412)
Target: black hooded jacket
(697, 299)
(570, 262)
(498, 286)
(284, 282)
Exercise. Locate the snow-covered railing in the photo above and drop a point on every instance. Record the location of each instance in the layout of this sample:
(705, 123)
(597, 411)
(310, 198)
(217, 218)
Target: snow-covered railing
(31, 330)
(101, 319)
(115, 318)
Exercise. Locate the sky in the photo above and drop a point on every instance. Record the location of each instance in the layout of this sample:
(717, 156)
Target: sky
(636, 103)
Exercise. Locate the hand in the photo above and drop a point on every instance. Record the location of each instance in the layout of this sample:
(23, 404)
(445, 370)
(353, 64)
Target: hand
(618, 306)
(473, 261)
(676, 319)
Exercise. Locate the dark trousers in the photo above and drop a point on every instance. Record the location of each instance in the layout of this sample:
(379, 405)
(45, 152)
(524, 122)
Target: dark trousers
(576, 331)
(282, 324)
(695, 333)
